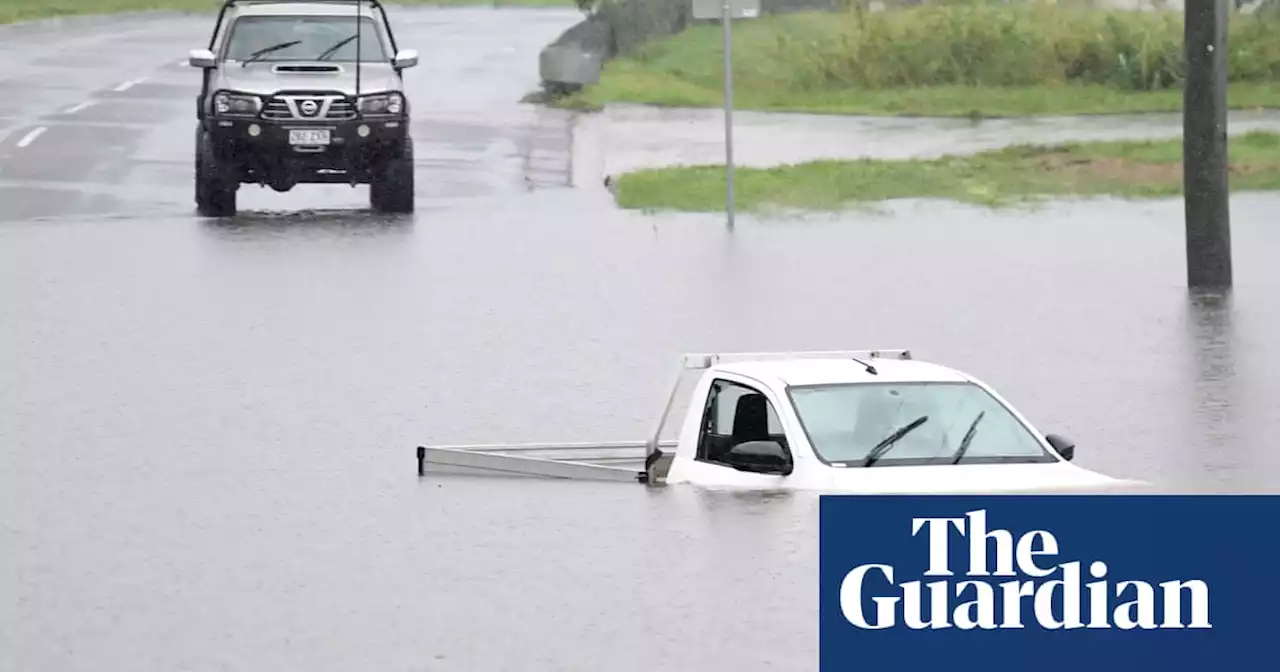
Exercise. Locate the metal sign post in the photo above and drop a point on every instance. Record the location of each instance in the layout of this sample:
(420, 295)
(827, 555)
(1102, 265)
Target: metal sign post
(726, 11)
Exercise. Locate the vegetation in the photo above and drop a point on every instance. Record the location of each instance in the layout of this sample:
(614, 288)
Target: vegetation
(959, 59)
(1127, 169)
(23, 10)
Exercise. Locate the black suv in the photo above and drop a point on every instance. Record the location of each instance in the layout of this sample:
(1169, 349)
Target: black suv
(306, 91)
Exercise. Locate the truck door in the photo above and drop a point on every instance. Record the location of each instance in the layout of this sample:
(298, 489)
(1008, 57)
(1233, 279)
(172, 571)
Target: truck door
(737, 413)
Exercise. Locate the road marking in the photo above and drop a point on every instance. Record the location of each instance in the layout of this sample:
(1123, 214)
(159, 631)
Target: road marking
(31, 137)
(130, 84)
(82, 106)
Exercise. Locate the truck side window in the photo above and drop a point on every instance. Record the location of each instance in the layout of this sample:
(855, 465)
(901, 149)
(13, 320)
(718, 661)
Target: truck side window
(736, 413)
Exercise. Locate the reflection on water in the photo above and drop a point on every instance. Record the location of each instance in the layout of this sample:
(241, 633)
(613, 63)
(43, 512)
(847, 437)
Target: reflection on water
(1214, 387)
(745, 501)
(256, 224)
(1211, 330)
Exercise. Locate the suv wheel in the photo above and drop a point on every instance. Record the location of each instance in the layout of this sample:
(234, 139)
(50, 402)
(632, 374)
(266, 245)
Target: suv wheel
(215, 191)
(392, 186)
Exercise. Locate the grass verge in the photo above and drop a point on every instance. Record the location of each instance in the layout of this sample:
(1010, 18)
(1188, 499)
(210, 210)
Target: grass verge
(627, 84)
(12, 11)
(968, 59)
(1132, 169)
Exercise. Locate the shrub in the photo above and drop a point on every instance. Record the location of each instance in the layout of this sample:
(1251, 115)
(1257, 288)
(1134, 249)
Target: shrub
(969, 43)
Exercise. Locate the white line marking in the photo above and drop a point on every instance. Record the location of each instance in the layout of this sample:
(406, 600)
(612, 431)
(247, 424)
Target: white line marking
(130, 84)
(82, 106)
(183, 63)
(31, 137)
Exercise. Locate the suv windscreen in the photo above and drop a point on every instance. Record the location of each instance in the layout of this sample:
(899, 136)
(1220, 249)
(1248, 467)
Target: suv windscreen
(316, 36)
(844, 422)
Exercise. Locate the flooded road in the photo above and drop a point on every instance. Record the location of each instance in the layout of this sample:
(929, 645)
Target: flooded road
(636, 137)
(207, 426)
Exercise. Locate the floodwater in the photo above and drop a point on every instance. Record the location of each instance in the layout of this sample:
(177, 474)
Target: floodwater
(637, 137)
(207, 426)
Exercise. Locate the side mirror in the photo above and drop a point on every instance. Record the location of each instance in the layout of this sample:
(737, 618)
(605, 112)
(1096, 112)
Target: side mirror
(406, 58)
(760, 457)
(1065, 447)
(201, 58)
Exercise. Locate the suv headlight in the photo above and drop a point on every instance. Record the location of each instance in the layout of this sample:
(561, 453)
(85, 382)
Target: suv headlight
(236, 104)
(382, 104)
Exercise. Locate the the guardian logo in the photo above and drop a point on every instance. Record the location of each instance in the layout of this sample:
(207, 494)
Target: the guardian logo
(1136, 605)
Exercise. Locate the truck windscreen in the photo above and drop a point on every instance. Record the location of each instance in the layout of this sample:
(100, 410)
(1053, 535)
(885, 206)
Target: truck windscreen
(845, 422)
(329, 38)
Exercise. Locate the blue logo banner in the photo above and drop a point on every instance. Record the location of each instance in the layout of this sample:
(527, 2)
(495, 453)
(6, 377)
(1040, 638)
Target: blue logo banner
(1063, 582)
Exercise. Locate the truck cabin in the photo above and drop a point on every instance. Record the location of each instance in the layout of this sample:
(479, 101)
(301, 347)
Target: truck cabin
(768, 417)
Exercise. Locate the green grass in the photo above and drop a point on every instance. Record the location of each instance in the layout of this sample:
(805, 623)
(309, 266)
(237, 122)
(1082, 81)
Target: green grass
(969, 59)
(627, 84)
(25, 10)
(1133, 169)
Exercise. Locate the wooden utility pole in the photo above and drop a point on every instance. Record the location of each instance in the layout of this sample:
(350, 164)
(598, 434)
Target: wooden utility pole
(1204, 146)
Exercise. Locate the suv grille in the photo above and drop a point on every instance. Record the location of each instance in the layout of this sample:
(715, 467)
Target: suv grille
(309, 107)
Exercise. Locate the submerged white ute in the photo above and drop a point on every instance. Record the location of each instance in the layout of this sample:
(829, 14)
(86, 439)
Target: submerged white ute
(856, 422)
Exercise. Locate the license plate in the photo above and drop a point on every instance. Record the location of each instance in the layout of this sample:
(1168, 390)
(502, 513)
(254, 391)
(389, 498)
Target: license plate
(310, 136)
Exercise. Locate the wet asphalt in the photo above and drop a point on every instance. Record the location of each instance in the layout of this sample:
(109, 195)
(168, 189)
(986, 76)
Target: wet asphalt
(208, 425)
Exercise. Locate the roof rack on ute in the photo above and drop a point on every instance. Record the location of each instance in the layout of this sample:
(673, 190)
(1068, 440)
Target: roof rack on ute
(703, 360)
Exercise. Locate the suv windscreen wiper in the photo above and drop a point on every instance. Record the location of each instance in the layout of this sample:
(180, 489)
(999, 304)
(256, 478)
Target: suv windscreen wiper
(263, 52)
(887, 444)
(968, 437)
(334, 49)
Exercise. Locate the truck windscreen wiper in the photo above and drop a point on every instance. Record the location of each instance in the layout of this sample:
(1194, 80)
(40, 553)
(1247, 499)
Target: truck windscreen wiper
(263, 52)
(887, 444)
(334, 49)
(968, 437)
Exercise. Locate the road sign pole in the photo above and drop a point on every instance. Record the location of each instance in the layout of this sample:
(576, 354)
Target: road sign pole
(726, 11)
(727, 18)
(1206, 191)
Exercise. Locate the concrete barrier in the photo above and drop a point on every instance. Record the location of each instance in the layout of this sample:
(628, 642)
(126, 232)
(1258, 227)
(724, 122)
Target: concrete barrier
(575, 58)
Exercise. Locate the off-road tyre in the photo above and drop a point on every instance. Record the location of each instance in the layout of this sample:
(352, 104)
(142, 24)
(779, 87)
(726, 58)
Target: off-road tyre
(215, 190)
(391, 190)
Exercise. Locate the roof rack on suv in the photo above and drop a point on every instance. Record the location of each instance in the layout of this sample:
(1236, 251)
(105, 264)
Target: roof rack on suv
(228, 3)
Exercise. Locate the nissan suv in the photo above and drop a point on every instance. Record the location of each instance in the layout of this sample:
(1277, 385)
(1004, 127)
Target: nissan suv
(303, 92)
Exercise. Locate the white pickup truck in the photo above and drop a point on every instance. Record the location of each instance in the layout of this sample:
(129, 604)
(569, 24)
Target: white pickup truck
(866, 421)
